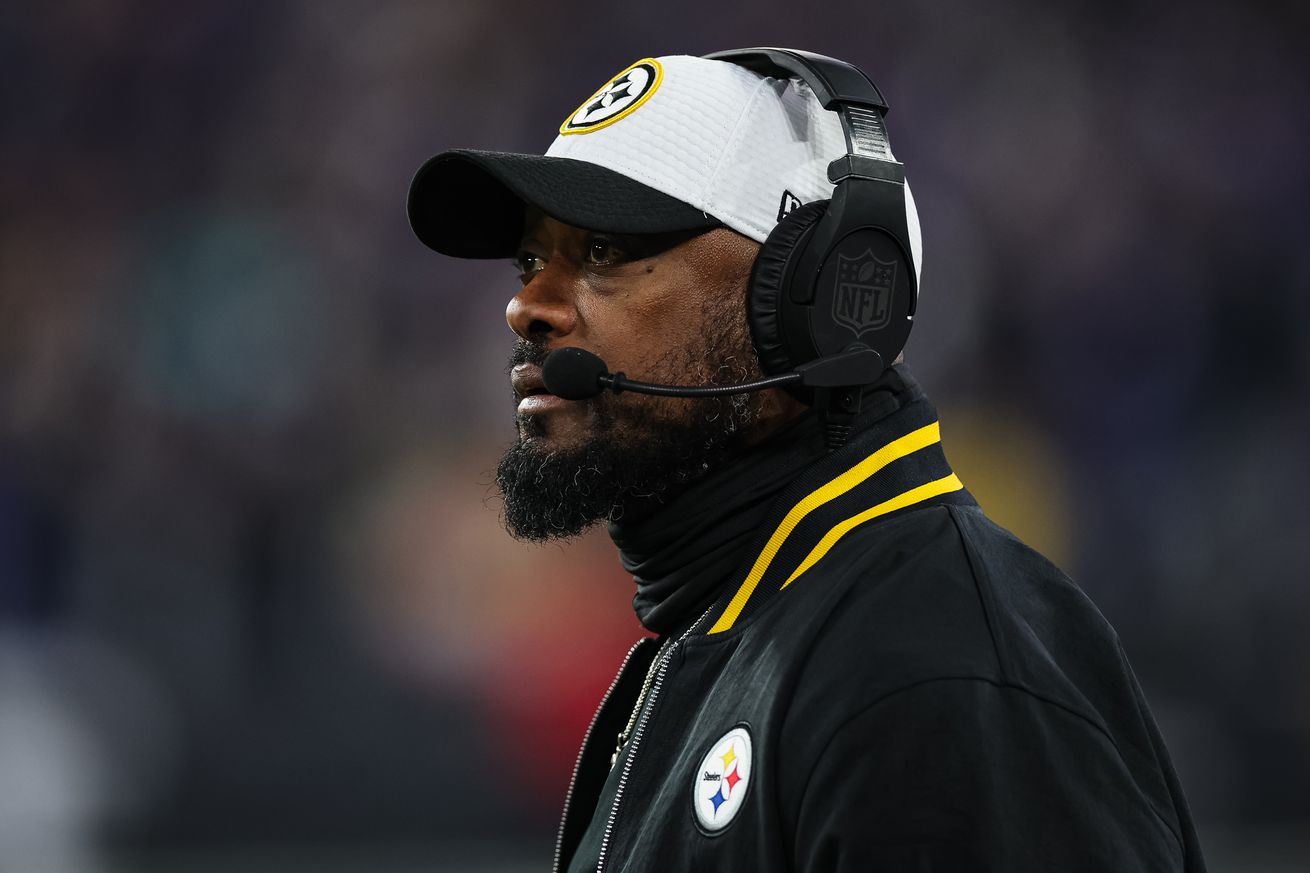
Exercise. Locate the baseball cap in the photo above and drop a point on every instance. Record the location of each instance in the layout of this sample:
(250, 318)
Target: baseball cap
(668, 144)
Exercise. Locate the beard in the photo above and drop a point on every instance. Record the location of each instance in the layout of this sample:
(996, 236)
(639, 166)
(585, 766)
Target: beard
(640, 450)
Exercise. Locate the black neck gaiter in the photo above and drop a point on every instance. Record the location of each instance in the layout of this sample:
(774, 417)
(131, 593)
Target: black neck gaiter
(681, 554)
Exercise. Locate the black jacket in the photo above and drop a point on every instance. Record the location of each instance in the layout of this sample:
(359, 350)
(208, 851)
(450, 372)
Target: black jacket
(890, 683)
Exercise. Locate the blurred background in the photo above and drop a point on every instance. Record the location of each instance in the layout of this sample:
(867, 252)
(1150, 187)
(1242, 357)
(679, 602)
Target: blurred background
(256, 609)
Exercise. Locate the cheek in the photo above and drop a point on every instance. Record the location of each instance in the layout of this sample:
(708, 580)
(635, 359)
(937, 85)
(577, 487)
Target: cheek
(634, 327)
(670, 318)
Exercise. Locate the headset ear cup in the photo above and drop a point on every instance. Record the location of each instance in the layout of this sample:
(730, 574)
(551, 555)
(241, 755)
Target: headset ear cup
(766, 295)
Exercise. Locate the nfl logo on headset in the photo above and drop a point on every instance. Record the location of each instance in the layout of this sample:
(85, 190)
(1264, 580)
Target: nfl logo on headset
(864, 292)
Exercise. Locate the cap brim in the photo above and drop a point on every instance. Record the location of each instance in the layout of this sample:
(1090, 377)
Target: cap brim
(470, 204)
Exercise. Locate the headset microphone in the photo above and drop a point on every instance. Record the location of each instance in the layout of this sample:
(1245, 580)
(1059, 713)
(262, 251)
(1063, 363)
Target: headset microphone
(577, 374)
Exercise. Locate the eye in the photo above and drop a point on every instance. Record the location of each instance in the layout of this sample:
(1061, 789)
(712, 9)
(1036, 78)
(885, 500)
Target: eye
(528, 265)
(604, 250)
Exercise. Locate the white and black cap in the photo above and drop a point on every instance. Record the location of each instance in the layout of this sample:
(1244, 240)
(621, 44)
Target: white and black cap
(669, 144)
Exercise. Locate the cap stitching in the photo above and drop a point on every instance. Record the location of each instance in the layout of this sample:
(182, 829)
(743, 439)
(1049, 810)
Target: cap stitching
(710, 187)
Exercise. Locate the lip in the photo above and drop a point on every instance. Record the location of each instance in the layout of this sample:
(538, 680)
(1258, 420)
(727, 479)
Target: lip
(527, 380)
(530, 389)
(535, 403)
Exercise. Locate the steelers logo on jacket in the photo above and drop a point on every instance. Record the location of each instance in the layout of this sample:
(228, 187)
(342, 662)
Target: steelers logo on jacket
(722, 779)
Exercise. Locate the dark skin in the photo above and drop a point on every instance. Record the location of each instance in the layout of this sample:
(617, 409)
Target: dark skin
(630, 300)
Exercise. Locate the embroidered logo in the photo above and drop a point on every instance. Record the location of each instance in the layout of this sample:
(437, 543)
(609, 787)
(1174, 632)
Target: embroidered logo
(864, 292)
(790, 203)
(621, 96)
(721, 780)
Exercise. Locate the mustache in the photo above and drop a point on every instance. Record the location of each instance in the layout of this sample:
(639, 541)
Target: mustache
(526, 352)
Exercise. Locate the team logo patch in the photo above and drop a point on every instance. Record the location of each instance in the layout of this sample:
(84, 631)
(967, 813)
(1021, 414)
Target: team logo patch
(620, 97)
(789, 204)
(864, 292)
(722, 779)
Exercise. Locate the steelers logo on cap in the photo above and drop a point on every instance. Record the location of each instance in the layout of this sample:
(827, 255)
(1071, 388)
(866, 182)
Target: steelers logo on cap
(722, 779)
(620, 97)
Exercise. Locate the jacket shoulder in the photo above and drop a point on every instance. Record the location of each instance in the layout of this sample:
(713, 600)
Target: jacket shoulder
(943, 593)
(893, 603)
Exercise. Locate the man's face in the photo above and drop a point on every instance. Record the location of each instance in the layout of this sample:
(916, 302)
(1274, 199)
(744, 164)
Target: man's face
(660, 308)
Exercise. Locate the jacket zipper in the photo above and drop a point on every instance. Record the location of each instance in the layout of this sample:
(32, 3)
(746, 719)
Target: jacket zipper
(663, 660)
(586, 738)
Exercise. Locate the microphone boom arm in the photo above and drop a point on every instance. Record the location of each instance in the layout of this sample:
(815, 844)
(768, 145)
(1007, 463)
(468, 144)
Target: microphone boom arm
(576, 374)
(618, 383)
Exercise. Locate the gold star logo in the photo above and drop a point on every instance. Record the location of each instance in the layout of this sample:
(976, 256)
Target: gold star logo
(729, 757)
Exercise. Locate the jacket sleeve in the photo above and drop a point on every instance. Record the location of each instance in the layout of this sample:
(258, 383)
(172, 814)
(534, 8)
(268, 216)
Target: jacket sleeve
(968, 775)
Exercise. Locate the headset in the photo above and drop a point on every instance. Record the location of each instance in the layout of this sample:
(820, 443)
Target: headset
(835, 276)
(834, 288)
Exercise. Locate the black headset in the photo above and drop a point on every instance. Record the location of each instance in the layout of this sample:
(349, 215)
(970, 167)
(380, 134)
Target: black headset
(835, 277)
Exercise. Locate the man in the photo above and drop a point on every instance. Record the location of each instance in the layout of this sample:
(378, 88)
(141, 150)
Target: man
(855, 669)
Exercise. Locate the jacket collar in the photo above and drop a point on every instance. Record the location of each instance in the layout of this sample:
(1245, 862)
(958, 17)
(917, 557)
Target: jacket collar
(893, 462)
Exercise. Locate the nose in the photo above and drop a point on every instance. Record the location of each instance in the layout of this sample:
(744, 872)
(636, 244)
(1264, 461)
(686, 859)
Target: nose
(544, 309)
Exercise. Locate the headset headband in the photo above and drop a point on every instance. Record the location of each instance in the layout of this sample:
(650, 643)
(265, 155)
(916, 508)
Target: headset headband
(842, 88)
(868, 180)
